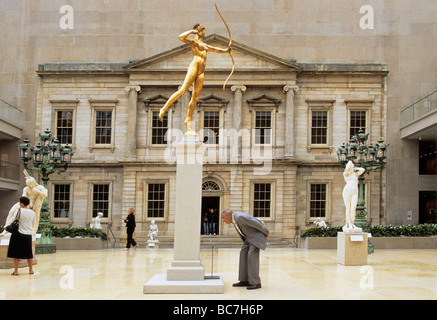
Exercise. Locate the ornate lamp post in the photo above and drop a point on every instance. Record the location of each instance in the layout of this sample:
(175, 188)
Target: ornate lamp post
(48, 157)
(369, 157)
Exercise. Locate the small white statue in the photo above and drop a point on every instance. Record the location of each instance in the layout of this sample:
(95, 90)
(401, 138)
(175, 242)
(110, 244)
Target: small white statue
(350, 196)
(95, 222)
(320, 223)
(36, 194)
(153, 234)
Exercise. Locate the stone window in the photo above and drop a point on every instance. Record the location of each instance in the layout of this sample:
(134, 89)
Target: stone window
(212, 109)
(319, 124)
(159, 129)
(63, 120)
(64, 126)
(103, 132)
(61, 200)
(359, 116)
(100, 200)
(103, 124)
(210, 186)
(156, 200)
(211, 127)
(319, 127)
(262, 200)
(263, 127)
(318, 200)
(264, 119)
(357, 121)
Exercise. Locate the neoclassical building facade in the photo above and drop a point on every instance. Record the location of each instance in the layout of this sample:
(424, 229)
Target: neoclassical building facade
(270, 137)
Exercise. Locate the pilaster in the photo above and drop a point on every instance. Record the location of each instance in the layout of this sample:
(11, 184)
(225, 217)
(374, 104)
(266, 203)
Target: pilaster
(132, 121)
(290, 91)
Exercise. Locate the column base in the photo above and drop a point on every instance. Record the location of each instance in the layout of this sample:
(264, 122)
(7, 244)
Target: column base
(186, 271)
(161, 285)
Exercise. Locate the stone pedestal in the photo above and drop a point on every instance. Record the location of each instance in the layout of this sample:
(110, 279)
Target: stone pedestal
(352, 248)
(187, 273)
(7, 263)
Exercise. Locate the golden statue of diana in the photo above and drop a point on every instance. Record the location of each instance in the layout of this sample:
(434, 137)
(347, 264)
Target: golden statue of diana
(195, 74)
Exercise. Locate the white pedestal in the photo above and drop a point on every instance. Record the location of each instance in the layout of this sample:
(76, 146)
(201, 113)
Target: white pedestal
(352, 248)
(187, 273)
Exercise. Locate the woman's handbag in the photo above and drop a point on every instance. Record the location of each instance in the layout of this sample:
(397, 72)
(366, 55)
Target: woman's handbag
(13, 227)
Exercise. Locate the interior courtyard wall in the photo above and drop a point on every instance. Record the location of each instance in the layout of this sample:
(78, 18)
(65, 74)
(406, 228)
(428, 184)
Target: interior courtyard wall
(404, 37)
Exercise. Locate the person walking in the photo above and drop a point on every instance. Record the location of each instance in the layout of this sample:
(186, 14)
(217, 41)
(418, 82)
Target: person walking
(130, 228)
(20, 244)
(254, 234)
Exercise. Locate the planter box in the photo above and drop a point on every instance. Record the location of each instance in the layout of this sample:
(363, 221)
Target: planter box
(378, 242)
(320, 243)
(404, 242)
(79, 243)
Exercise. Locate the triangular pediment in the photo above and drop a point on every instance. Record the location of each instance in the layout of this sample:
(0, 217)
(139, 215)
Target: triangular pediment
(245, 57)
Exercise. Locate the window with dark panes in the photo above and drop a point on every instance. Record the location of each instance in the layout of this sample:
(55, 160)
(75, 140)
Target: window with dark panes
(262, 200)
(103, 131)
(61, 201)
(100, 199)
(155, 200)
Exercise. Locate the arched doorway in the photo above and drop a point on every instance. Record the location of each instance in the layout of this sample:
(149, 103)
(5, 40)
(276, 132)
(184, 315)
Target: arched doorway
(211, 199)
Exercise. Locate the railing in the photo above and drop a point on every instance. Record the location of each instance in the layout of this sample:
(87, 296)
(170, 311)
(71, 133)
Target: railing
(11, 114)
(10, 171)
(419, 108)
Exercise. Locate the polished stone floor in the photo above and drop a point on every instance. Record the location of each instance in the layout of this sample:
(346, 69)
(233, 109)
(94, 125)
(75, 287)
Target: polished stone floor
(286, 274)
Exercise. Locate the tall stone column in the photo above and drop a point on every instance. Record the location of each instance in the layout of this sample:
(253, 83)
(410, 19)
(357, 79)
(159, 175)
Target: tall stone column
(132, 121)
(238, 101)
(290, 91)
(187, 273)
(186, 264)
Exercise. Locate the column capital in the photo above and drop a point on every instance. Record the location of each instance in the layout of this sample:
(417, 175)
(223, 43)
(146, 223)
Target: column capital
(240, 87)
(128, 88)
(295, 89)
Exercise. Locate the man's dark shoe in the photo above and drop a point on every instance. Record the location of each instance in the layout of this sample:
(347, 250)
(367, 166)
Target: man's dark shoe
(241, 284)
(254, 286)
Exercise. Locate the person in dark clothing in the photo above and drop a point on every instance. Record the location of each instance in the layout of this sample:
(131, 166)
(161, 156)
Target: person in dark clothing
(212, 219)
(130, 228)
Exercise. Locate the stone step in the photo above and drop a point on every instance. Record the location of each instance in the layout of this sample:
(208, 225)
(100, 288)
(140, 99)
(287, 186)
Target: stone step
(218, 241)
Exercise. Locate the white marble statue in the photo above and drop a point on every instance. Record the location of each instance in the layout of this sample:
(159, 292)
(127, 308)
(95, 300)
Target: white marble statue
(36, 194)
(95, 222)
(350, 196)
(153, 234)
(320, 223)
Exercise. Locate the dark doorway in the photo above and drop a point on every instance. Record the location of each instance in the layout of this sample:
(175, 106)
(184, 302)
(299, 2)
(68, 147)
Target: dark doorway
(207, 204)
(427, 207)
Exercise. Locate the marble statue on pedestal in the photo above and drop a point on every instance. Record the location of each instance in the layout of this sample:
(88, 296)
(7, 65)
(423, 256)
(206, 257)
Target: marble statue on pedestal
(36, 193)
(350, 196)
(95, 222)
(153, 234)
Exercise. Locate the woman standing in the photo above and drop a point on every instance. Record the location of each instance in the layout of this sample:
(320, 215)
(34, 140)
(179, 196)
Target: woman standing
(20, 245)
(350, 193)
(130, 228)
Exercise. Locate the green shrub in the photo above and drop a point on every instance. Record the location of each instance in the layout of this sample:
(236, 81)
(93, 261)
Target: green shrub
(62, 232)
(412, 230)
(321, 232)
